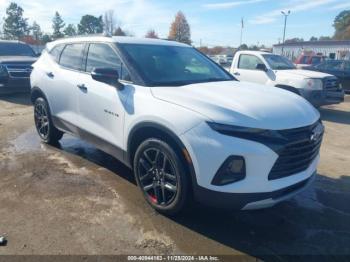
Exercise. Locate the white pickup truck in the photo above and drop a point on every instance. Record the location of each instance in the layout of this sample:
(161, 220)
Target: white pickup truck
(277, 71)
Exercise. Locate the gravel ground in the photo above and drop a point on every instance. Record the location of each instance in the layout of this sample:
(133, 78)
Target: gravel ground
(76, 200)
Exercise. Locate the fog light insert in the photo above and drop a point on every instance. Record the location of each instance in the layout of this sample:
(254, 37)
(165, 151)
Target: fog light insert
(232, 170)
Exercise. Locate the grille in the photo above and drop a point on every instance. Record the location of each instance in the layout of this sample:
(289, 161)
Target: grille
(297, 155)
(19, 70)
(331, 83)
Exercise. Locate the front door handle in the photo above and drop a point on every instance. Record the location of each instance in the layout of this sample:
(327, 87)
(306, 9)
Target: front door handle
(50, 74)
(237, 74)
(82, 87)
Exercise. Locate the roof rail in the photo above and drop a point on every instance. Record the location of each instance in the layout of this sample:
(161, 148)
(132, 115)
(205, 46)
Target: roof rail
(88, 35)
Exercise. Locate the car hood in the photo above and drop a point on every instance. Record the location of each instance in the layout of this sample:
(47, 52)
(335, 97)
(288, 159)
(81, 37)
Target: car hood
(17, 59)
(300, 73)
(242, 104)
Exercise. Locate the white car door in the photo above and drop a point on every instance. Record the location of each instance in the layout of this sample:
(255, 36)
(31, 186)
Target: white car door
(102, 106)
(61, 88)
(246, 69)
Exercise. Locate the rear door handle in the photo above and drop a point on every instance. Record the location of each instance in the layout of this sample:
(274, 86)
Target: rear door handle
(237, 74)
(82, 87)
(50, 74)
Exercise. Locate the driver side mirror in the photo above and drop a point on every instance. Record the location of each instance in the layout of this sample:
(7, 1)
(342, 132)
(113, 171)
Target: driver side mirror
(108, 76)
(261, 67)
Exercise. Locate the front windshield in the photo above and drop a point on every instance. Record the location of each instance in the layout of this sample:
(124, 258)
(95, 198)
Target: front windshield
(15, 49)
(277, 62)
(163, 65)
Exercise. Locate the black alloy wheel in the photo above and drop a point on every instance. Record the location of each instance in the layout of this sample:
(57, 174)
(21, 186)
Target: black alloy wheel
(161, 176)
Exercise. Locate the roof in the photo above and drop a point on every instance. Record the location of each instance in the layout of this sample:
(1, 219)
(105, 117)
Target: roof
(250, 52)
(115, 39)
(316, 43)
(12, 41)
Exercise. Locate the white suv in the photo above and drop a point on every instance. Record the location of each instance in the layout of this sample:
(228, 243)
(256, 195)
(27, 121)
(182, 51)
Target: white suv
(181, 122)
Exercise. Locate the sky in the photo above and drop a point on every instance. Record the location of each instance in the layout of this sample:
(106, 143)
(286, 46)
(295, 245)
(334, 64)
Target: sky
(212, 22)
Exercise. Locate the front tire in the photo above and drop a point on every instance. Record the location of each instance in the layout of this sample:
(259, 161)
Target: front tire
(43, 122)
(161, 176)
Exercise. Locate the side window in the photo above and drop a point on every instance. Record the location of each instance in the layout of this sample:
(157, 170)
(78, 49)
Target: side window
(102, 55)
(56, 52)
(248, 62)
(71, 56)
(334, 65)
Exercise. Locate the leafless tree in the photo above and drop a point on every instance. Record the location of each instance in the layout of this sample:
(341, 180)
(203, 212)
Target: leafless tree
(109, 22)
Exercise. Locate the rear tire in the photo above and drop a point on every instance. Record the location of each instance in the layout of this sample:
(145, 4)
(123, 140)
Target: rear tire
(43, 122)
(161, 176)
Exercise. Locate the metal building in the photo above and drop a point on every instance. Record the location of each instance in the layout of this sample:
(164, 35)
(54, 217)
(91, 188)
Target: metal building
(331, 48)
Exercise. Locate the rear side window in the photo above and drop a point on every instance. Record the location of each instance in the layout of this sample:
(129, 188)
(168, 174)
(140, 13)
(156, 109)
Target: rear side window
(103, 56)
(56, 52)
(249, 62)
(334, 65)
(71, 56)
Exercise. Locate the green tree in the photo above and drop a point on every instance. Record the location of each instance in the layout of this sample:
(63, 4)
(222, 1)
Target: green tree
(57, 25)
(180, 29)
(342, 25)
(70, 30)
(243, 47)
(36, 31)
(90, 24)
(46, 38)
(313, 39)
(15, 26)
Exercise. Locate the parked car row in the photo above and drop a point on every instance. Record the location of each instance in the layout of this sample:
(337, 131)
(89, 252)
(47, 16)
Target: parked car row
(277, 71)
(186, 127)
(338, 68)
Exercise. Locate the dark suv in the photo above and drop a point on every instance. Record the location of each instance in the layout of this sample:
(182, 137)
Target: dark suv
(16, 59)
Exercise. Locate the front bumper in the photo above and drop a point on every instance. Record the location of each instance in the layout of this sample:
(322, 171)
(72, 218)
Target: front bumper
(250, 201)
(323, 97)
(15, 85)
(208, 149)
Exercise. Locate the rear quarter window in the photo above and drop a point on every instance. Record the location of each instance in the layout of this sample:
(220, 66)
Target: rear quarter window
(72, 56)
(56, 52)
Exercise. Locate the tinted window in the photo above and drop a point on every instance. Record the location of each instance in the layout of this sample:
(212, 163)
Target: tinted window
(72, 56)
(103, 56)
(334, 65)
(172, 65)
(15, 49)
(56, 52)
(248, 62)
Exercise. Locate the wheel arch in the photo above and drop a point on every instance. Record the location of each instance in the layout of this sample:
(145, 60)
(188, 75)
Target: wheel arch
(142, 131)
(35, 93)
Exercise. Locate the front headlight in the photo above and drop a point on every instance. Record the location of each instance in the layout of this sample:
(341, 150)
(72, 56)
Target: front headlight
(255, 134)
(315, 84)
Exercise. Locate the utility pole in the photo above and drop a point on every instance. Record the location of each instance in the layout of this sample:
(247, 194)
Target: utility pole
(285, 14)
(242, 26)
